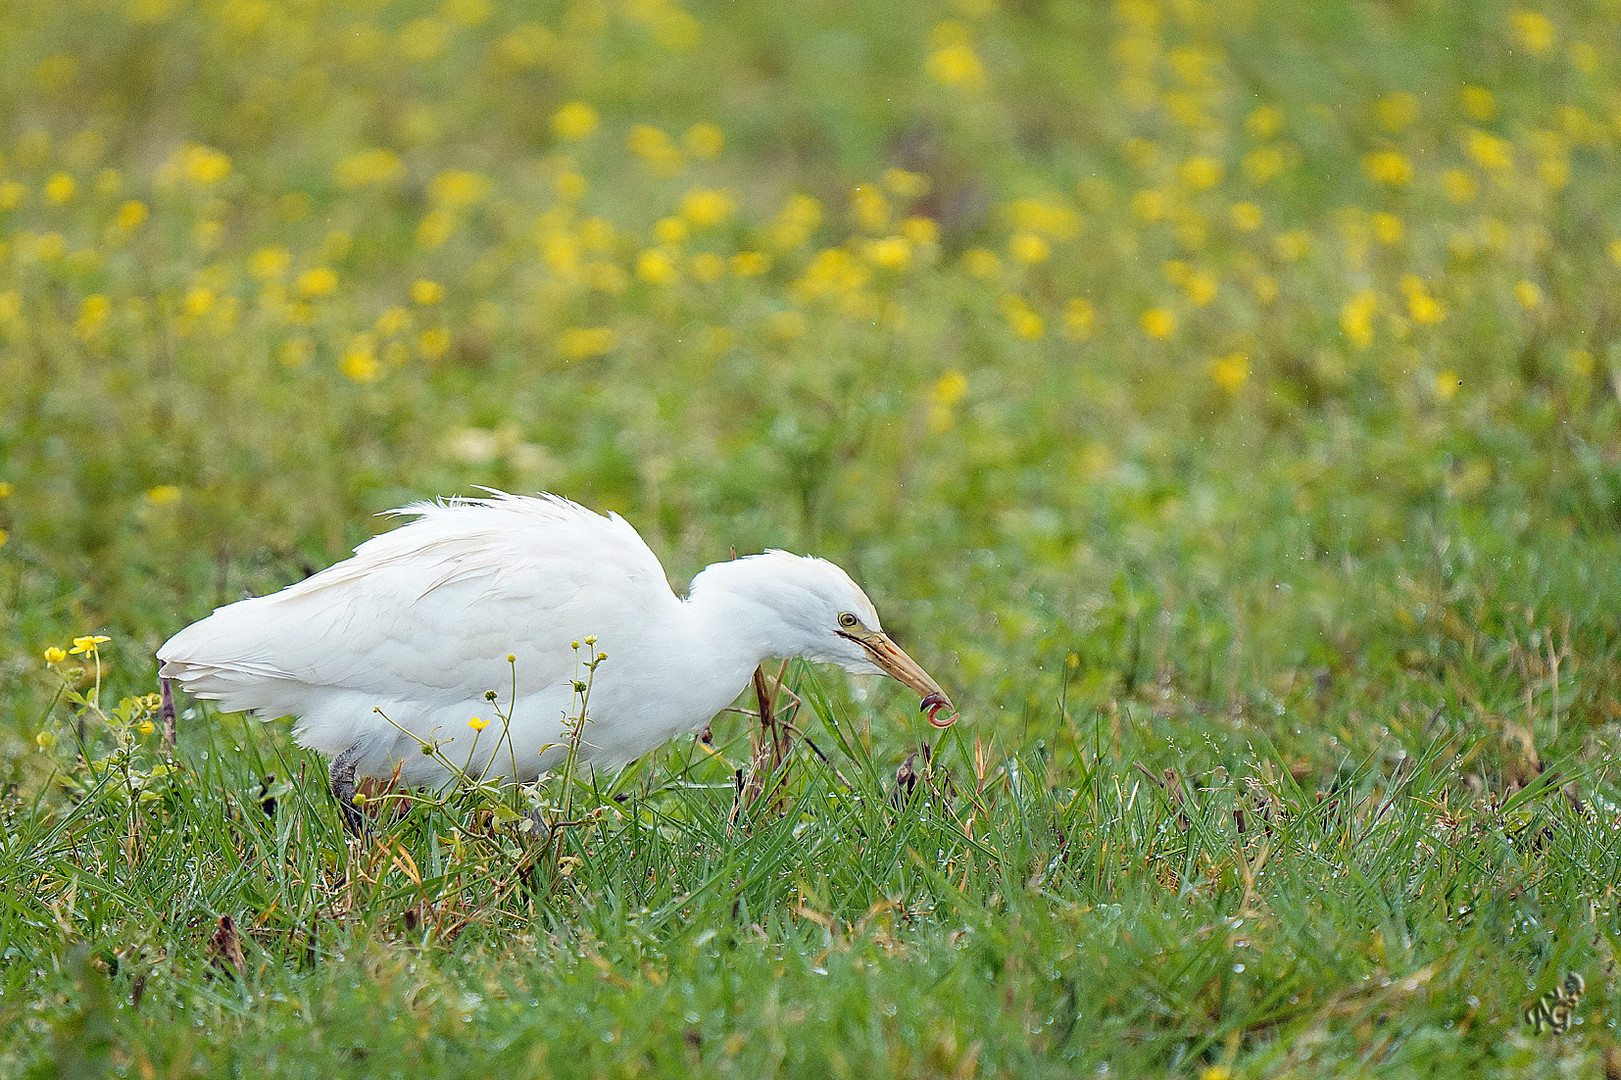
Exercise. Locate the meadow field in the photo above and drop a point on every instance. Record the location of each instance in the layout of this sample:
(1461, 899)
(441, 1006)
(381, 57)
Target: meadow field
(1221, 399)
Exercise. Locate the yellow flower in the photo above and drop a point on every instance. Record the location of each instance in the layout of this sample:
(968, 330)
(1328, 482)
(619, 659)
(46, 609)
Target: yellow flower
(455, 189)
(1201, 173)
(704, 140)
(45, 740)
(426, 292)
(163, 495)
(199, 300)
(1356, 318)
(477, 724)
(359, 361)
(55, 654)
(270, 262)
(87, 644)
(1158, 323)
(1478, 102)
(1027, 247)
(1231, 372)
(375, 166)
(1293, 245)
(956, 65)
(1615, 252)
(1534, 31)
(1422, 308)
(93, 313)
(1263, 163)
(574, 120)
(908, 185)
(5, 489)
(584, 342)
(60, 187)
(1388, 167)
(392, 321)
(1529, 294)
(656, 149)
(1458, 186)
(320, 281)
(750, 264)
(869, 206)
(1263, 122)
(201, 165)
(1024, 322)
(921, 231)
(1387, 227)
(981, 263)
(1079, 318)
(703, 207)
(1490, 152)
(890, 252)
(1246, 216)
(130, 215)
(1446, 384)
(433, 342)
(668, 230)
(950, 388)
(656, 267)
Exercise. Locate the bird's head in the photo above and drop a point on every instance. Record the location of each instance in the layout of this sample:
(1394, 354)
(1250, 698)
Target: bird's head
(824, 616)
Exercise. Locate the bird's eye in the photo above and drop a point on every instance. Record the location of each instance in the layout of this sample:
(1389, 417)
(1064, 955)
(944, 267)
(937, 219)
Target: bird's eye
(849, 621)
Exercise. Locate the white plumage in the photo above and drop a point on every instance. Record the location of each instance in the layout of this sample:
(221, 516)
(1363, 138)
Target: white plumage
(400, 643)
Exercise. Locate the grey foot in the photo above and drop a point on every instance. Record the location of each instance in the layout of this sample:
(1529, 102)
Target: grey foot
(343, 789)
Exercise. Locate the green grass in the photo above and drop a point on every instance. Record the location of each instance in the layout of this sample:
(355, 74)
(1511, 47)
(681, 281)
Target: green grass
(1219, 401)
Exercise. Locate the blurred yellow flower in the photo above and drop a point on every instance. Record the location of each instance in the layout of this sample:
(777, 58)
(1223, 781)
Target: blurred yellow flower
(1158, 323)
(921, 231)
(1458, 186)
(1079, 319)
(1529, 294)
(12, 195)
(270, 262)
(1201, 173)
(435, 228)
(1534, 31)
(1478, 102)
(87, 643)
(199, 300)
(1230, 372)
(655, 148)
(163, 495)
(704, 140)
(55, 655)
(359, 361)
(747, 264)
(667, 230)
(60, 188)
(456, 189)
(1024, 322)
(796, 221)
(956, 65)
(1387, 227)
(1200, 286)
(950, 388)
(585, 342)
(130, 215)
(426, 292)
(574, 120)
(201, 165)
(1246, 216)
(1447, 384)
(433, 342)
(1614, 249)
(981, 263)
(1263, 163)
(1422, 307)
(1356, 318)
(524, 46)
(1263, 122)
(321, 281)
(869, 206)
(422, 40)
(392, 320)
(656, 267)
(1028, 247)
(374, 166)
(1489, 152)
(704, 207)
(1292, 246)
(5, 489)
(1388, 167)
(93, 312)
(45, 740)
(1046, 217)
(569, 185)
(908, 185)
(890, 252)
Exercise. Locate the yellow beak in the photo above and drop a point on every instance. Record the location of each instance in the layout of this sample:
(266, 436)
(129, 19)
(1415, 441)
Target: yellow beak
(896, 664)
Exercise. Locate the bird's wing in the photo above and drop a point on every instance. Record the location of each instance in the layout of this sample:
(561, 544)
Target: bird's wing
(429, 612)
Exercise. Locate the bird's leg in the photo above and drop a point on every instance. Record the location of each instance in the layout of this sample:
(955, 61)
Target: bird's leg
(343, 789)
(166, 712)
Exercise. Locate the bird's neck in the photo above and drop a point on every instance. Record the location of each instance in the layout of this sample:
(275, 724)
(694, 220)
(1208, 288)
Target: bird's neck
(736, 610)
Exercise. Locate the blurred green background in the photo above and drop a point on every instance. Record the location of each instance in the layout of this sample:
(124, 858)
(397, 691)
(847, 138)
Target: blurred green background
(1227, 380)
(1205, 351)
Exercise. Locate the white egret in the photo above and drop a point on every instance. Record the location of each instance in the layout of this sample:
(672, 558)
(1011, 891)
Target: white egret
(401, 644)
